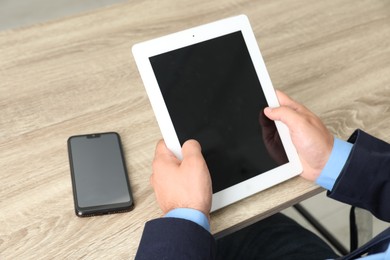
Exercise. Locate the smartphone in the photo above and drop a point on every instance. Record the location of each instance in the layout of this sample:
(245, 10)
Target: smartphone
(99, 177)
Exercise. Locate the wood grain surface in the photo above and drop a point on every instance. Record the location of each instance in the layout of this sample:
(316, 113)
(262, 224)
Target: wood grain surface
(77, 75)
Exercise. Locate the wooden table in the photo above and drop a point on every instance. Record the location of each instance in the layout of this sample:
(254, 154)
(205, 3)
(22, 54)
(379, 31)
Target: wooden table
(77, 75)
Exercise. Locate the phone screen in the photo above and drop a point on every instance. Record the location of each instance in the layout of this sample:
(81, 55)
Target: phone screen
(99, 175)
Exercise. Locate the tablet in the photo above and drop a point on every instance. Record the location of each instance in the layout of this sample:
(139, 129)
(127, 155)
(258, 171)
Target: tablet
(210, 83)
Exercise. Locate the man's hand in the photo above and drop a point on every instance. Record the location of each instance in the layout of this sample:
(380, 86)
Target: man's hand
(311, 138)
(181, 184)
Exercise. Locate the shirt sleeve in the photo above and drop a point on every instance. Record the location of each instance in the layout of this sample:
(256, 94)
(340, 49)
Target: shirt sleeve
(190, 214)
(338, 157)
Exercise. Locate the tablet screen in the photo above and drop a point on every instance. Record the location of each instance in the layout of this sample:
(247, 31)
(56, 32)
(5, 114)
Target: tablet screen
(213, 95)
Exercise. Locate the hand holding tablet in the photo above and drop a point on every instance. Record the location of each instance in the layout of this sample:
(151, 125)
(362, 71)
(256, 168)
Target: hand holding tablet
(210, 83)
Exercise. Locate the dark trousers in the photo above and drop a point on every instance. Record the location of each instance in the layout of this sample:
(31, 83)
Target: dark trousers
(277, 237)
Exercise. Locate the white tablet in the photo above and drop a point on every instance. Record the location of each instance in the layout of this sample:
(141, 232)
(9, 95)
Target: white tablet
(210, 83)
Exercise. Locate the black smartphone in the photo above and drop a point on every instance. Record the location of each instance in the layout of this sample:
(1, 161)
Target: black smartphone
(99, 177)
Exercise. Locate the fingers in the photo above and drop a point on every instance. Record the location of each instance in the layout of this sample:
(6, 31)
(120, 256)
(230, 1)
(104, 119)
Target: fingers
(190, 147)
(161, 149)
(163, 158)
(181, 184)
(290, 112)
(162, 153)
(285, 100)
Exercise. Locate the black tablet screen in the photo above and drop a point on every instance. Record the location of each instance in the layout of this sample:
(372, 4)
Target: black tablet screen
(214, 96)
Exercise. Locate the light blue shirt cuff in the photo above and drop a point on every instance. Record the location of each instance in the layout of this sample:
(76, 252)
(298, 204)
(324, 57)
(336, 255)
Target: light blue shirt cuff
(335, 164)
(190, 214)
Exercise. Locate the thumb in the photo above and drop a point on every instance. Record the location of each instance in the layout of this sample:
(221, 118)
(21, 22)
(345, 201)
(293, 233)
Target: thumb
(191, 148)
(286, 115)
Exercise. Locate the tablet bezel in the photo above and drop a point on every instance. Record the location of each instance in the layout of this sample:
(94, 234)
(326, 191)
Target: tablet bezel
(143, 51)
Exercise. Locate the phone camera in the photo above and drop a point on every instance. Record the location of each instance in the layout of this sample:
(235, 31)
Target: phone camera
(93, 136)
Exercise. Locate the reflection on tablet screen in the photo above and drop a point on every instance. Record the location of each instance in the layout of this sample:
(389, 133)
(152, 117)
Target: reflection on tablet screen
(214, 96)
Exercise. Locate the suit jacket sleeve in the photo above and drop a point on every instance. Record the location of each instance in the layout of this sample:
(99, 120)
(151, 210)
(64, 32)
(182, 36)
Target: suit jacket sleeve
(365, 179)
(174, 238)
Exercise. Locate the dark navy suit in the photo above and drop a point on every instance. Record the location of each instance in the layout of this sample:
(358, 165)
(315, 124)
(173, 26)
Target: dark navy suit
(364, 182)
(173, 238)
